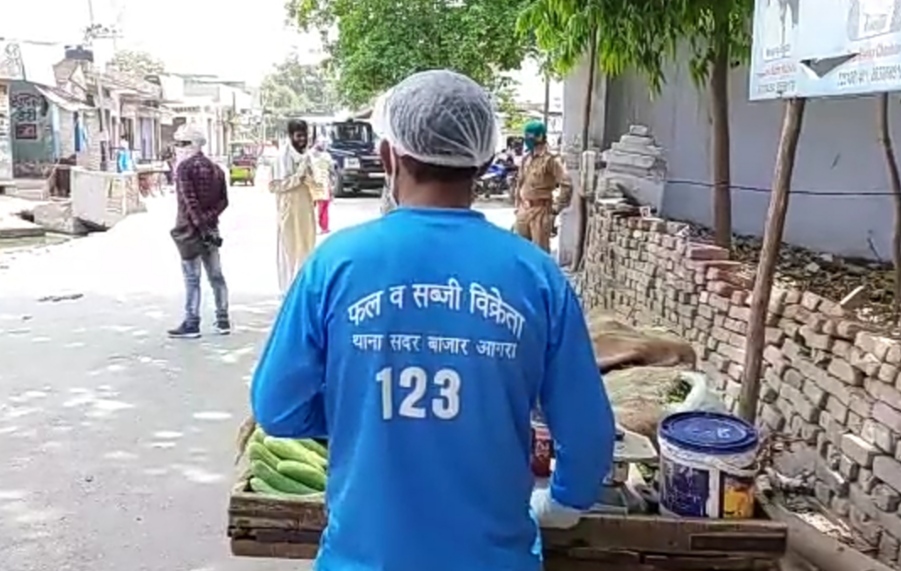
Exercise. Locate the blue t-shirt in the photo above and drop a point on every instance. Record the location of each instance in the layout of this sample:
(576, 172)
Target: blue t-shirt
(418, 344)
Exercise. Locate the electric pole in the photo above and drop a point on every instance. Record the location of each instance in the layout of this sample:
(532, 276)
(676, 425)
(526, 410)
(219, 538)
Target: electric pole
(92, 34)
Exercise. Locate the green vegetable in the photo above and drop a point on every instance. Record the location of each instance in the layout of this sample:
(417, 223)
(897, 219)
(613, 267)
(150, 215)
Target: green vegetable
(258, 435)
(256, 451)
(278, 481)
(304, 473)
(288, 449)
(311, 444)
(260, 486)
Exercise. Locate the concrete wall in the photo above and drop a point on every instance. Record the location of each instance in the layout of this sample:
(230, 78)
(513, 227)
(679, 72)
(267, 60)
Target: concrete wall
(828, 381)
(840, 201)
(32, 131)
(574, 95)
(104, 198)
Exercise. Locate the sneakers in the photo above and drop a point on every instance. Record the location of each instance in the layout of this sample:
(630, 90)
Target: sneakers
(192, 331)
(185, 331)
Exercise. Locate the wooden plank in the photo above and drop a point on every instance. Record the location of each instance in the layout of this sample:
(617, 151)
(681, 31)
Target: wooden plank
(665, 535)
(249, 510)
(246, 548)
(670, 563)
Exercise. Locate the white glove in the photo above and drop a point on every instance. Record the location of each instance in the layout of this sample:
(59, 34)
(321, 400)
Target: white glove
(551, 514)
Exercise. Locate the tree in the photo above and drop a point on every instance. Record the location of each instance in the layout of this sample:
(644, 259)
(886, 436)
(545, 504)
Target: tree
(720, 34)
(514, 118)
(294, 88)
(300, 88)
(643, 36)
(137, 63)
(894, 178)
(380, 42)
(566, 30)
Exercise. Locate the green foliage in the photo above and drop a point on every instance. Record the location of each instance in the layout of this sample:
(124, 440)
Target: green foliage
(380, 42)
(640, 35)
(294, 88)
(514, 117)
(713, 27)
(137, 63)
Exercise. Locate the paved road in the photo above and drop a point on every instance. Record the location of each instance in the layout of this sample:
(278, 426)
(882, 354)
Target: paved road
(117, 443)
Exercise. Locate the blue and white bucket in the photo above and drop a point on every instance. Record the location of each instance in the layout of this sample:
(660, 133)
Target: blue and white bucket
(707, 465)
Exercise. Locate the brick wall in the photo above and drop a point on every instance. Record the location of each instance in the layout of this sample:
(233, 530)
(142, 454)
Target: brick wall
(828, 380)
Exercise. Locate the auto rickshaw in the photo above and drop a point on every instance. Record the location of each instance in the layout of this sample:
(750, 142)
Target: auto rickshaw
(242, 162)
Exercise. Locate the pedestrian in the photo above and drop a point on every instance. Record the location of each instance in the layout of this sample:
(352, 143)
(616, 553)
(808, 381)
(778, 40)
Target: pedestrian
(323, 175)
(419, 344)
(541, 173)
(168, 158)
(124, 160)
(202, 196)
(291, 185)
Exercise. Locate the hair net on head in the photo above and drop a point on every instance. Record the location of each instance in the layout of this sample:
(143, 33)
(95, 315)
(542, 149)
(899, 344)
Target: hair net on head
(438, 117)
(192, 134)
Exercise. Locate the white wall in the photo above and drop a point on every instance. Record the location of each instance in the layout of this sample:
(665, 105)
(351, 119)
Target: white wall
(840, 201)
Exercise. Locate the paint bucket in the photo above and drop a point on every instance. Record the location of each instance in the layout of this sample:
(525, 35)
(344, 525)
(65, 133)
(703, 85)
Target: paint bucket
(707, 463)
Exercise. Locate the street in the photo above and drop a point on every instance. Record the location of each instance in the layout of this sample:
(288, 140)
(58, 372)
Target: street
(118, 443)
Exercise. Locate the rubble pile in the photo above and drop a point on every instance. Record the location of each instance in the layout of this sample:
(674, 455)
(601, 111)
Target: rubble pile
(826, 275)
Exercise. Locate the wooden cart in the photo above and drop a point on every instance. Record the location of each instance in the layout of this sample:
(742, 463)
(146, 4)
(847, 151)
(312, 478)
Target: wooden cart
(264, 526)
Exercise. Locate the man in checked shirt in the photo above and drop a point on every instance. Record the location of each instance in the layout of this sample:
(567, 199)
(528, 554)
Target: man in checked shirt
(202, 195)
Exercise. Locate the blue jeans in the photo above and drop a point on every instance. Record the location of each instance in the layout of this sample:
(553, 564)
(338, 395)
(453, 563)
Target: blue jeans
(192, 269)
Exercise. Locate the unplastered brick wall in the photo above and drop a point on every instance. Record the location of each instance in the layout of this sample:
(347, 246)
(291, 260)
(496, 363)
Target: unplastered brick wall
(829, 382)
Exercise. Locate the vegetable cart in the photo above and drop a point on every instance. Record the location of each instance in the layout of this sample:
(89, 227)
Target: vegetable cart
(289, 528)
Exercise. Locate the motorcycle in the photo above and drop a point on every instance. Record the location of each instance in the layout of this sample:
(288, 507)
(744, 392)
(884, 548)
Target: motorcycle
(498, 180)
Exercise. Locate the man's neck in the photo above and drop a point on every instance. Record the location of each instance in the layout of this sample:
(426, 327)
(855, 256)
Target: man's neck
(439, 196)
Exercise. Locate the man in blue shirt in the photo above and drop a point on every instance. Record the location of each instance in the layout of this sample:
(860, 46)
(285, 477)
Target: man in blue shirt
(418, 344)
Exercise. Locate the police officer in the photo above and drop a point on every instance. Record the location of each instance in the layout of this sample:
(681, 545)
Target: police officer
(541, 173)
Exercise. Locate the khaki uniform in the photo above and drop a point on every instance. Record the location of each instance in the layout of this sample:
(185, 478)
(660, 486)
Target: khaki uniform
(536, 208)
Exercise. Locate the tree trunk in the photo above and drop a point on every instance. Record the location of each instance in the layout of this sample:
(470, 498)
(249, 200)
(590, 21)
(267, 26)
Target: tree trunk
(579, 197)
(546, 112)
(769, 254)
(894, 178)
(722, 175)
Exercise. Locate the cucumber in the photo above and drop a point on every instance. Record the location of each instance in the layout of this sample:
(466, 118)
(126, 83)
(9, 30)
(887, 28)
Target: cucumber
(261, 487)
(311, 444)
(256, 451)
(278, 481)
(287, 449)
(306, 474)
(258, 435)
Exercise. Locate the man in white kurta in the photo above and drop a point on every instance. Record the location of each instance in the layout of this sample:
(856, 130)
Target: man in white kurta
(291, 184)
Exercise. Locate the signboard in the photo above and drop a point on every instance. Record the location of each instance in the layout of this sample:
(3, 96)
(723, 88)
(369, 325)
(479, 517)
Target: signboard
(6, 159)
(774, 65)
(11, 61)
(27, 109)
(821, 48)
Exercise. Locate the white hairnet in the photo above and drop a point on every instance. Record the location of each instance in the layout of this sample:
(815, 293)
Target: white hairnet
(190, 133)
(438, 117)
